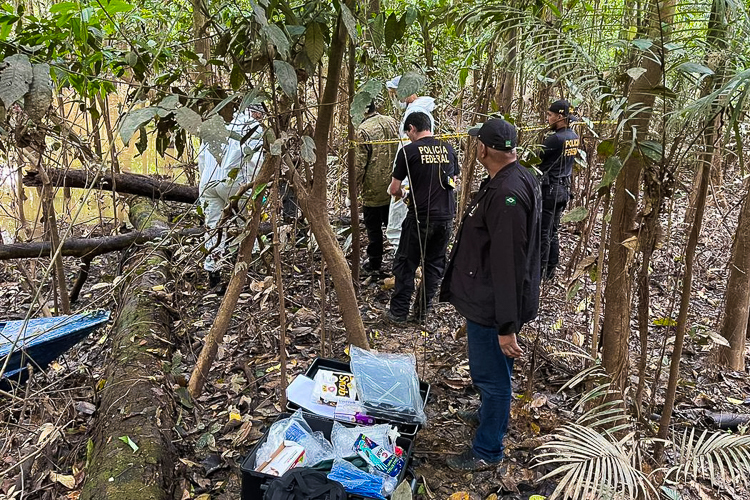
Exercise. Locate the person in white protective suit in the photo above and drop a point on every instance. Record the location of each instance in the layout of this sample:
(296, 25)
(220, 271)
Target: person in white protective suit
(410, 104)
(241, 161)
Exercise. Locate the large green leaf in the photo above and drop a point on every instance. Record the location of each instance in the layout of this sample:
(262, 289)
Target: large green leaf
(189, 120)
(612, 168)
(38, 99)
(391, 30)
(15, 78)
(349, 21)
(377, 30)
(575, 215)
(286, 77)
(362, 100)
(691, 67)
(277, 37)
(135, 120)
(213, 132)
(410, 83)
(315, 43)
(259, 13)
(308, 149)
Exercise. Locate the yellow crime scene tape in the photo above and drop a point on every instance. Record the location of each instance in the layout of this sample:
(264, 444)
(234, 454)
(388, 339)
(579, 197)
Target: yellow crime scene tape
(353, 144)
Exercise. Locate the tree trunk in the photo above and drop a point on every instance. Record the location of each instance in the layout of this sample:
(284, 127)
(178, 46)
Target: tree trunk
(734, 327)
(351, 158)
(134, 405)
(239, 278)
(618, 292)
(140, 185)
(312, 197)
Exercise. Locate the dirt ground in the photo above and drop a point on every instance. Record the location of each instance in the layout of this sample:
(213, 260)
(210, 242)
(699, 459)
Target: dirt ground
(245, 380)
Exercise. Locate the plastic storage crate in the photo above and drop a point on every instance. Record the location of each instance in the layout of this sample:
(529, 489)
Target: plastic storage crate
(255, 484)
(408, 429)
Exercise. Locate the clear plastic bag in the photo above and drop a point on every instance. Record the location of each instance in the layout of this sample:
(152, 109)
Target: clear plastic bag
(343, 438)
(295, 428)
(387, 385)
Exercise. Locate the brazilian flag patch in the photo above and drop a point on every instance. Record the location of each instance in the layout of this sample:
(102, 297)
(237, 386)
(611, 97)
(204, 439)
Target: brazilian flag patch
(510, 201)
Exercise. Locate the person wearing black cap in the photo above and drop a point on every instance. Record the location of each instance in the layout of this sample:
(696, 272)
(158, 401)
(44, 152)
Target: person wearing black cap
(431, 167)
(492, 279)
(558, 155)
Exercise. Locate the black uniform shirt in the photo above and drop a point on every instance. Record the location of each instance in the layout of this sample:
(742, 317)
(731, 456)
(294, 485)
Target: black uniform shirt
(422, 161)
(558, 155)
(493, 275)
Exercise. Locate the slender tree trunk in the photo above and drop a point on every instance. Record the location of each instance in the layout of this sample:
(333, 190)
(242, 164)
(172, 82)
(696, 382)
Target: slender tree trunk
(351, 156)
(312, 197)
(51, 219)
(279, 290)
(202, 42)
(734, 326)
(509, 73)
(687, 282)
(236, 284)
(618, 292)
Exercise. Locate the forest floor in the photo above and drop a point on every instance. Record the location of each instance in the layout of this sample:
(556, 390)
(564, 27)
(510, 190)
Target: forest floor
(245, 378)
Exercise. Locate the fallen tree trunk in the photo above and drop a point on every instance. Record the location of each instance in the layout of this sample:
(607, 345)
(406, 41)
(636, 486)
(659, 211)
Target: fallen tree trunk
(134, 405)
(140, 185)
(90, 247)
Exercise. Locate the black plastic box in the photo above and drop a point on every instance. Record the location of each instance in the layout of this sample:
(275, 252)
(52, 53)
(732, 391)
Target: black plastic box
(255, 484)
(408, 429)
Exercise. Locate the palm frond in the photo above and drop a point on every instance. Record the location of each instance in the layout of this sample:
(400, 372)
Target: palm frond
(593, 466)
(722, 452)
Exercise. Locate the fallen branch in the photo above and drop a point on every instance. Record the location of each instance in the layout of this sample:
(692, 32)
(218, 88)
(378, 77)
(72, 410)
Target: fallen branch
(90, 247)
(141, 185)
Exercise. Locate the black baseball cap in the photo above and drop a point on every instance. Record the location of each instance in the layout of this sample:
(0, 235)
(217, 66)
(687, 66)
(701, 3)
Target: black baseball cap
(497, 134)
(561, 106)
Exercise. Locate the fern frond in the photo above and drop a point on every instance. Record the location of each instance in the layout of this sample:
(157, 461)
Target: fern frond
(592, 465)
(711, 453)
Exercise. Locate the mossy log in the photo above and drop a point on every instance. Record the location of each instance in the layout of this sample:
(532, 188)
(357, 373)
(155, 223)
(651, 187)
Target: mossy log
(134, 404)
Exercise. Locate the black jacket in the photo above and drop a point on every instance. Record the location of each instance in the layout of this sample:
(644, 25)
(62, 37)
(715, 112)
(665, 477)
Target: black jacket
(558, 156)
(493, 275)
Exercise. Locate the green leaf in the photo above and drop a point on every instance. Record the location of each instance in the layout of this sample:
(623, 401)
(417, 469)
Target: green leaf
(410, 83)
(275, 147)
(643, 43)
(315, 43)
(575, 215)
(258, 190)
(411, 14)
(15, 78)
(135, 120)
(362, 100)
(377, 30)
(286, 77)
(129, 442)
(213, 132)
(651, 150)
(573, 289)
(612, 168)
(391, 30)
(259, 13)
(277, 37)
(308, 149)
(89, 451)
(237, 77)
(664, 322)
(606, 148)
(117, 6)
(184, 398)
(349, 21)
(691, 67)
(63, 7)
(189, 120)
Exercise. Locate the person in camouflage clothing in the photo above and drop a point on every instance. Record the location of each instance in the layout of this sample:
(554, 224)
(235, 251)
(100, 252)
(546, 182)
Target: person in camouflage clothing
(374, 167)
